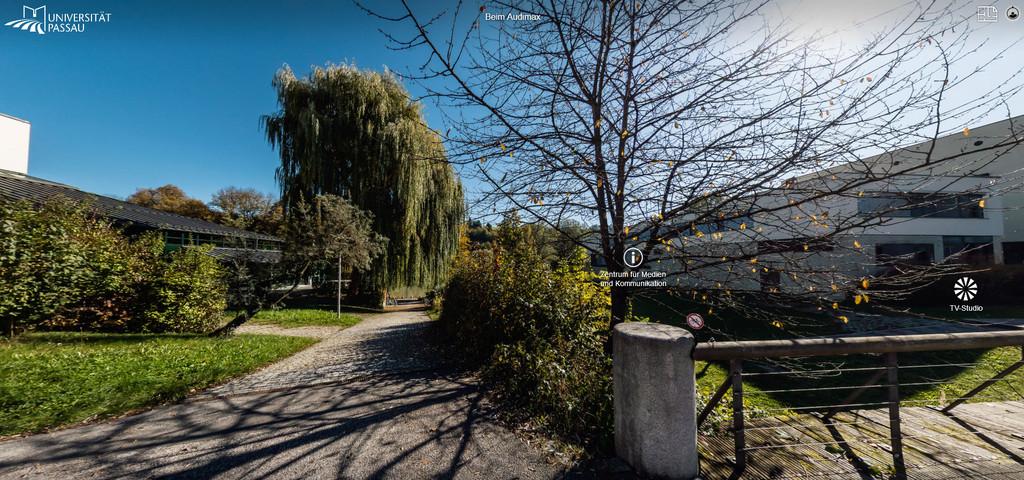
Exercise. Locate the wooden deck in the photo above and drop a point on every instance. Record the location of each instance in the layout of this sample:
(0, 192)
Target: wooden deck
(976, 441)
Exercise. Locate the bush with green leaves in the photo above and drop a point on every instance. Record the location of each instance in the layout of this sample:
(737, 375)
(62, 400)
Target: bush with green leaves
(539, 332)
(63, 267)
(186, 293)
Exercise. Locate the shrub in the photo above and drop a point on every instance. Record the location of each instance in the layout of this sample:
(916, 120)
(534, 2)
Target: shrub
(540, 333)
(45, 259)
(118, 268)
(62, 267)
(187, 293)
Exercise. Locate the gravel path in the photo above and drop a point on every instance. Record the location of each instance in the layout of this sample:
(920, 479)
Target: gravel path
(371, 401)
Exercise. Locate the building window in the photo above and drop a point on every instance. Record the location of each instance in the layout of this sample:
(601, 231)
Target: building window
(1013, 253)
(973, 250)
(893, 256)
(771, 280)
(916, 205)
(765, 247)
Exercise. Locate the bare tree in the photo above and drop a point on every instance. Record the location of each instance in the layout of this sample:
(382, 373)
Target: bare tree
(703, 134)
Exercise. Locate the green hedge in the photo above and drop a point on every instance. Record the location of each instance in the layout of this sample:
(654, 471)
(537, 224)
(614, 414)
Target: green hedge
(539, 332)
(63, 267)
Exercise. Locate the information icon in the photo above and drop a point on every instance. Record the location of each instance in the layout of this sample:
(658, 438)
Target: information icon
(633, 257)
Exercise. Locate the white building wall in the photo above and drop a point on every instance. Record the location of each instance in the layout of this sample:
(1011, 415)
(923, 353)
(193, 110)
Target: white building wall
(14, 139)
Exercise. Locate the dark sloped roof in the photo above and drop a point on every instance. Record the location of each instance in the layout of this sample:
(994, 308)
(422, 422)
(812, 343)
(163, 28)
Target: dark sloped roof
(23, 187)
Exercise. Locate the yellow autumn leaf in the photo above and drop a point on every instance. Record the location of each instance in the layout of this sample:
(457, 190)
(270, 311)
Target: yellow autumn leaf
(865, 284)
(981, 203)
(835, 306)
(856, 300)
(844, 319)
(856, 244)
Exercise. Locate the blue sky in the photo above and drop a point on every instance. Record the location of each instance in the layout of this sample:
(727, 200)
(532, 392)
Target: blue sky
(169, 92)
(172, 92)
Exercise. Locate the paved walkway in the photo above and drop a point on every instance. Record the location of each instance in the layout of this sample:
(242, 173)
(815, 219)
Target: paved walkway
(372, 401)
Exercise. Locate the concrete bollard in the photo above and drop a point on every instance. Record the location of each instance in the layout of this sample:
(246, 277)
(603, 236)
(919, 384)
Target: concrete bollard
(655, 400)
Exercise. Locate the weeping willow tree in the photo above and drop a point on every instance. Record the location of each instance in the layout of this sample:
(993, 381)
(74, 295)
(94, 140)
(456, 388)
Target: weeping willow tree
(357, 134)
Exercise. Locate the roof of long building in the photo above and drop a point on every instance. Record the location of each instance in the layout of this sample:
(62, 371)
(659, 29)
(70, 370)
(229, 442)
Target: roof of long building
(24, 187)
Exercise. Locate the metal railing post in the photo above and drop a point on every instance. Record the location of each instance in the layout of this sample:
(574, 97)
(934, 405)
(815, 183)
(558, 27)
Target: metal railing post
(895, 434)
(739, 436)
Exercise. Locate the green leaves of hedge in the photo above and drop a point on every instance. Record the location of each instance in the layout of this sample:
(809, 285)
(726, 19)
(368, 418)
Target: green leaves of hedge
(62, 266)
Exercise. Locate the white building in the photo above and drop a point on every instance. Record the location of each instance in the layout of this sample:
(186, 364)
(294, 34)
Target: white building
(971, 207)
(14, 138)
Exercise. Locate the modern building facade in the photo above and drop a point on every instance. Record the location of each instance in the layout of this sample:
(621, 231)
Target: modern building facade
(967, 209)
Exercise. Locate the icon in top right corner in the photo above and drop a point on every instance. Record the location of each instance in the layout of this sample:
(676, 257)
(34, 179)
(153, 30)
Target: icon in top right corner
(988, 14)
(1012, 13)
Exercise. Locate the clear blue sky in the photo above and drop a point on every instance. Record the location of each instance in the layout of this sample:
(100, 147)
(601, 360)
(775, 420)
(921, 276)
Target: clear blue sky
(170, 92)
(173, 91)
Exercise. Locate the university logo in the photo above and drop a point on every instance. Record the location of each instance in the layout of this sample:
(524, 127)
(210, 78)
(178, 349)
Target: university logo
(41, 21)
(34, 23)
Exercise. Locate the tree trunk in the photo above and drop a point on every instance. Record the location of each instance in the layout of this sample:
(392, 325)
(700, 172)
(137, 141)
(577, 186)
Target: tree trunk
(8, 327)
(251, 310)
(236, 322)
(339, 287)
(620, 305)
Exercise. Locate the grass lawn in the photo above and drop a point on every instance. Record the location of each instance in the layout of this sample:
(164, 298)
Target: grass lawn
(304, 317)
(53, 379)
(959, 371)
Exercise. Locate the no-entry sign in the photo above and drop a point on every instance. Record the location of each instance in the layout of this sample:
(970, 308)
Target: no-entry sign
(695, 321)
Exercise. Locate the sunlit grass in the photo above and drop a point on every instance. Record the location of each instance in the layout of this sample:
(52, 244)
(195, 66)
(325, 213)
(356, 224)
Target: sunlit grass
(52, 379)
(304, 317)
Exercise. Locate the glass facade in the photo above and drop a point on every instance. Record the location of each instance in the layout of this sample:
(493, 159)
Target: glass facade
(177, 239)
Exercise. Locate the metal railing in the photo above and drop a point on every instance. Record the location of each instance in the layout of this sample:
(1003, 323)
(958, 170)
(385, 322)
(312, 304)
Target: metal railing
(883, 377)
